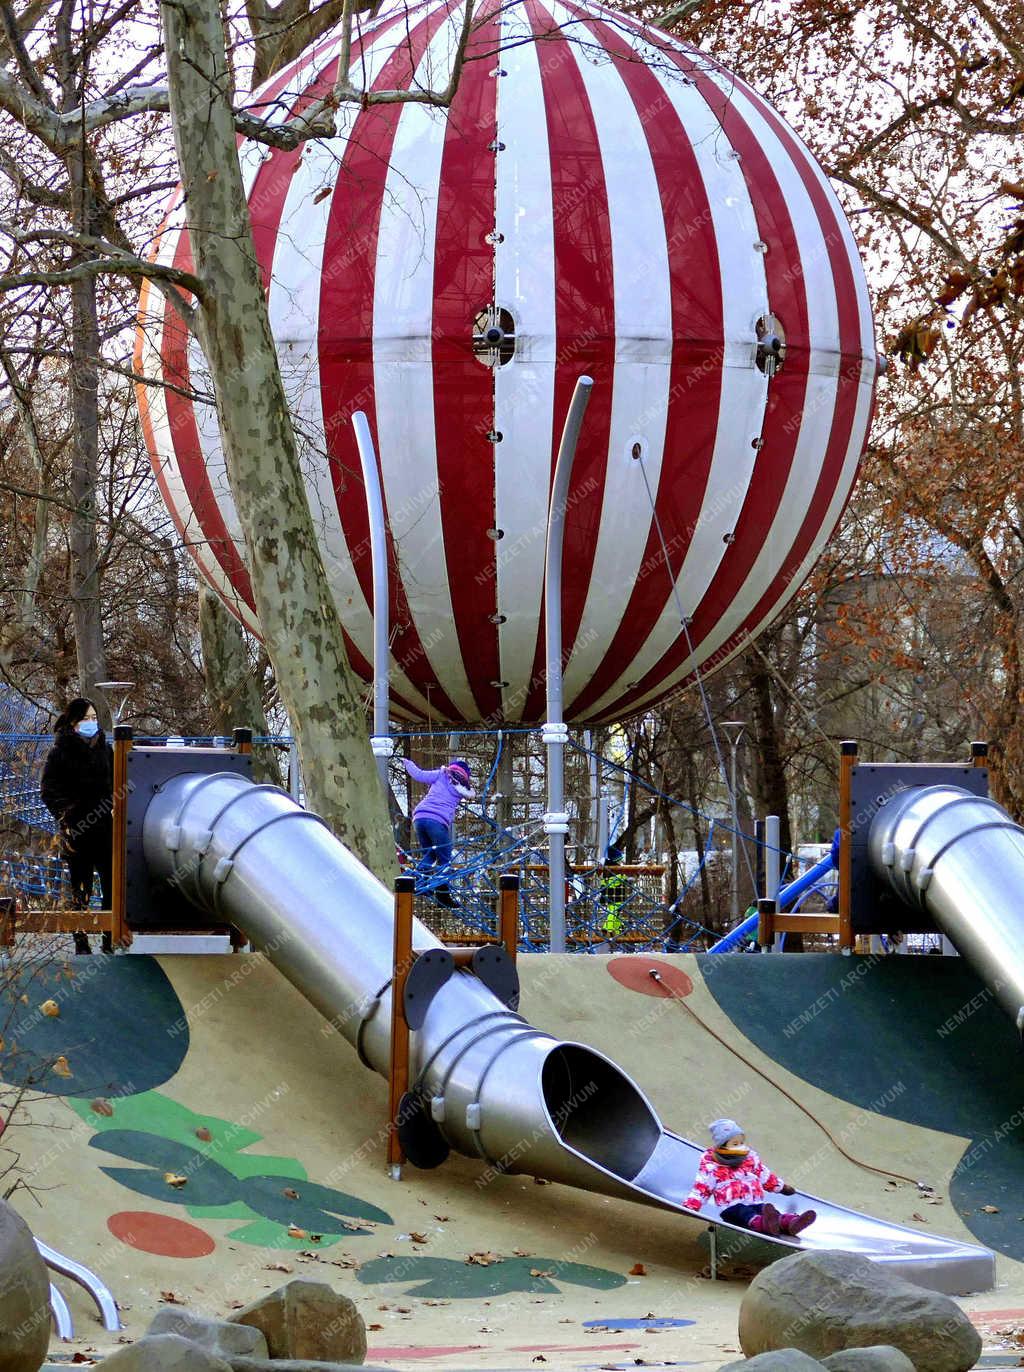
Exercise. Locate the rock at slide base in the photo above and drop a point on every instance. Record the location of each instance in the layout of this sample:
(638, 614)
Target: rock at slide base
(879, 1358)
(307, 1320)
(823, 1303)
(219, 1337)
(163, 1353)
(24, 1297)
(780, 1360)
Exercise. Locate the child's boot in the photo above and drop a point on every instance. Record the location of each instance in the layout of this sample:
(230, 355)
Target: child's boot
(793, 1224)
(770, 1221)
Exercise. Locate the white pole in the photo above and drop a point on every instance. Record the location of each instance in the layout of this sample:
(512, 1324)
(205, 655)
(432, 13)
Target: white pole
(380, 741)
(772, 861)
(555, 733)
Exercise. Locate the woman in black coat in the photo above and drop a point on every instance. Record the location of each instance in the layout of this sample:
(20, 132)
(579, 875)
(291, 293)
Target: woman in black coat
(78, 788)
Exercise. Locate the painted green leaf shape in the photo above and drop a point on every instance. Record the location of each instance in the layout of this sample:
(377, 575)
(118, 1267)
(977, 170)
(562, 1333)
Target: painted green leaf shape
(316, 1208)
(449, 1278)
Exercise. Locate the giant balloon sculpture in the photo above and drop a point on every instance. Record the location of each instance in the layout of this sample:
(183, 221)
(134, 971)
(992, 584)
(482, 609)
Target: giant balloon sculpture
(599, 199)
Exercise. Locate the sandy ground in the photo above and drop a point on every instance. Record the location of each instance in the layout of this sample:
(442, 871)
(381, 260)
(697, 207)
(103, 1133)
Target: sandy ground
(259, 1057)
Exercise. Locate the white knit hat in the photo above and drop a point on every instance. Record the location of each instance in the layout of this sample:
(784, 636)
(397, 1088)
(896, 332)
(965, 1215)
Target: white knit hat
(722, 1131)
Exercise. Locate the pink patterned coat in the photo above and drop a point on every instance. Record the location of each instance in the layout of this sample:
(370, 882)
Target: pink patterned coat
(723, 1186)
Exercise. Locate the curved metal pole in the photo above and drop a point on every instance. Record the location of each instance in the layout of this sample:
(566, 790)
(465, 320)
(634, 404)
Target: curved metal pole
(555, 733)
(96, 1288)
(381, 740)
(61, 1312)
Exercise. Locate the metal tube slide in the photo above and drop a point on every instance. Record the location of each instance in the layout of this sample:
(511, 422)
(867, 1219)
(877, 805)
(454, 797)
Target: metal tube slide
(960, 858)
(498, 1089)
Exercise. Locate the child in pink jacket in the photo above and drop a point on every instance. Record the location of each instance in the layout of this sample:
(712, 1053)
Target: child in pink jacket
(732, 1176)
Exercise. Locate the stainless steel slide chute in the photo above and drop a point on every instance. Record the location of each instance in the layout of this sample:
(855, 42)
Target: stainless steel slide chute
(960, 858)
(493, 1086)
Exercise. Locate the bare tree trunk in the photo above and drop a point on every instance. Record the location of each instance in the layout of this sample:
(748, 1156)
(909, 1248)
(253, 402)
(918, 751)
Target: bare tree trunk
(293, 602)
(232, 688)
(84, 572)
(773, 787)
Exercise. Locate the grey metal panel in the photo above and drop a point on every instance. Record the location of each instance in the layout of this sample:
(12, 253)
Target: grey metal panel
(960, 857)
(874, 909)
(154, 904)
(498, 1088)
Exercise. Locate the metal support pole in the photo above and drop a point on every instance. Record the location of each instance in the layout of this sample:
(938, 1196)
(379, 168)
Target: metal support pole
(772, 861)
(847, 762)
(555, 734)
(120, 935)
(380, 741)
(398, 1077)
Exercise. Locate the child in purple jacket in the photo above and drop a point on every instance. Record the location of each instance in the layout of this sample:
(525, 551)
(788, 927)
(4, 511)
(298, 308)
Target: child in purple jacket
(433, 817)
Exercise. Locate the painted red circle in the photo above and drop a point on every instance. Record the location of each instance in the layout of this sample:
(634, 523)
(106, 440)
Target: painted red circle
(160, 1234)
(634, 972)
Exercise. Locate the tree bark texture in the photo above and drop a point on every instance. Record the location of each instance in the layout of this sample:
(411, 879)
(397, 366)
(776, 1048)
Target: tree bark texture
(231, 687)
(297, 616)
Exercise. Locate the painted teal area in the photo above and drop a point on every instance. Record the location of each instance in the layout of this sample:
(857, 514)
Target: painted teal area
(449, 1278)
(121, 1027)
(918, 1039)
(221, 1182)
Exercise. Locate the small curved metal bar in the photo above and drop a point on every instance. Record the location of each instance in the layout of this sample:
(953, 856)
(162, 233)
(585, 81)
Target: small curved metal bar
(63, 1324)
(81, 1274)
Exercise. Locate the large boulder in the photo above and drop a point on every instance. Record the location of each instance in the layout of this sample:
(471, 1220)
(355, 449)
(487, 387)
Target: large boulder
(829, 1301)
(309, 1321)
(220, 1337)
(24, 1297)
(782, 1360)
(881, 1358)
(163, 1353)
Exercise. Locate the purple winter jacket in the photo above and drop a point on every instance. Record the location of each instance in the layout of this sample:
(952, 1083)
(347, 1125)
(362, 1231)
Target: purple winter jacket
(444, 796)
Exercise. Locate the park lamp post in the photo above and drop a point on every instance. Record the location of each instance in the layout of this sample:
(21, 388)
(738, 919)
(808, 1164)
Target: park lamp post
(734, 730)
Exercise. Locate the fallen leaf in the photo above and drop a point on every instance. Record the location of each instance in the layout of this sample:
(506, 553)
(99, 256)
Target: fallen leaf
(990, 1209)
(322, 194)
(418, 1238)
(541, 1181)
(294, 1232)
(521, 1252)
(169, 1298)
(82, 1357)
(278, 1267)
(50, 1008)
(60, 1067)
(290, 1192)
(920, 1218)
(374, 1327)
(442, 1218)
(175, 1179)
(483, 1259)
(540, 1272)
(102, 1107)
(539, 1357)
(204, 1134)
(637, 1270)
(316, 1238)
(404, 1309)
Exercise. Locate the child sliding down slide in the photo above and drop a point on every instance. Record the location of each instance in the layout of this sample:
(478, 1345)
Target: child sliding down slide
(732, 1175)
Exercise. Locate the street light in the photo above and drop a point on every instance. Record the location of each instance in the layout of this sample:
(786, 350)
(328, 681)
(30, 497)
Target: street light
(734, 730)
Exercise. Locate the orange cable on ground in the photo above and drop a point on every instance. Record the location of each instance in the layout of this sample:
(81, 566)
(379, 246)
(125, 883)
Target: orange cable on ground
(868, 1167)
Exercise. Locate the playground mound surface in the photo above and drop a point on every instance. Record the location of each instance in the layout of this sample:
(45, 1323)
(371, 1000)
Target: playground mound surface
(198, 1133)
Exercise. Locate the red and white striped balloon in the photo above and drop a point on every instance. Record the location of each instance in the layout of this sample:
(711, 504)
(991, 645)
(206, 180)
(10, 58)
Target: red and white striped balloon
(614, 203)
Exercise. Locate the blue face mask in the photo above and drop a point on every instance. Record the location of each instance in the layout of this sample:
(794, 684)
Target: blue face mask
(89, 728)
